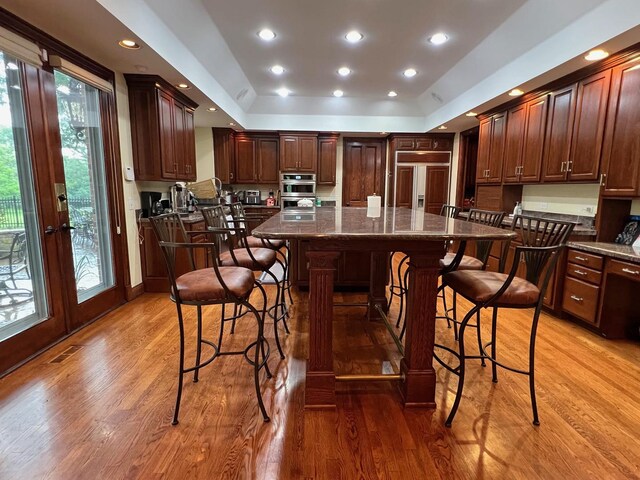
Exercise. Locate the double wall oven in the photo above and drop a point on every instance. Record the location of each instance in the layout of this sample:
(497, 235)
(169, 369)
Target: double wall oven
(296, 186)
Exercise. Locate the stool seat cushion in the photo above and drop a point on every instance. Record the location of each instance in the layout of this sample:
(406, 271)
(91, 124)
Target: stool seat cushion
(203, 285)
(467, 262)
(480, 286)
(265, 258)
(255, 242)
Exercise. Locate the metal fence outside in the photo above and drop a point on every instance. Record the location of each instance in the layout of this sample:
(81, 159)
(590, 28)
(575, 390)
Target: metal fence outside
(11, 213)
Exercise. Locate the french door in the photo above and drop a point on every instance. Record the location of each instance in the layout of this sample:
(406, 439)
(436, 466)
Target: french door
(59, 214)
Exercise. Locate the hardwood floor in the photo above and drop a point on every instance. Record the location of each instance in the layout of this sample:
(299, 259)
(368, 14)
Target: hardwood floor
(105, 410)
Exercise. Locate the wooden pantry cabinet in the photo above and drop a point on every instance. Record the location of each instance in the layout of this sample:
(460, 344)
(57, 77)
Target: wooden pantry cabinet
(491, 149)
(327, 153)
(162, 130)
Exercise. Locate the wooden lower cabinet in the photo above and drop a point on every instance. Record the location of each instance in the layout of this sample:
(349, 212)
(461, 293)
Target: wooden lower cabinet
(581, 299)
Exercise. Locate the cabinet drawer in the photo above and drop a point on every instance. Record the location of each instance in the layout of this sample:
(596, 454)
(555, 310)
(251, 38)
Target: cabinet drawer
(584, 273)
(628, 270)
(580, 299)
(585, 259)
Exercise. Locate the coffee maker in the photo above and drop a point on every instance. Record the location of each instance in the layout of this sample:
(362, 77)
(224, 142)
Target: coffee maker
(149, 204)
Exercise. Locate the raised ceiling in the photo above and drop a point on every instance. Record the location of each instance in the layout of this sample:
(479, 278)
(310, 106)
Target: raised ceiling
(494, 45)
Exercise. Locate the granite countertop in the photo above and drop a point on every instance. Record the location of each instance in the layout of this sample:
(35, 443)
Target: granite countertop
(350, 223)
(585, 227)
(614, 250)
(191, 218)
(262, 205)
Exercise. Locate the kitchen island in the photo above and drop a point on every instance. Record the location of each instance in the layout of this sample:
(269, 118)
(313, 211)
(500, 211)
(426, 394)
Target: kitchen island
(422, 236)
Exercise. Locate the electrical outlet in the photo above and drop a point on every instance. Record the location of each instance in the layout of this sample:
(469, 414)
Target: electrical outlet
(588, 209)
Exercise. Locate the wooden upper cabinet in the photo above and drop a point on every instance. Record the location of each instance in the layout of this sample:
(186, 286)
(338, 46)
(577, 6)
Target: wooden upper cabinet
(246, 160)
(267, 160)
(621, 148)
(514, 142)
(224, 154)
(298, 153)
(562, 106)
(533, 147)
(327, 152)
(588, 127)
(484, 146)
(162, 129)
(491, 148)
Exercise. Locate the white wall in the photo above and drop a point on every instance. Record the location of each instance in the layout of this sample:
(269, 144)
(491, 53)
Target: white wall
(635, 207)
(204, 153)
(455, 162)
(571, 199)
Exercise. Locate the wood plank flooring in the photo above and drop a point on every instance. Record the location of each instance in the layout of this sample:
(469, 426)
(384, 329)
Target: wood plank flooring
(105, 411)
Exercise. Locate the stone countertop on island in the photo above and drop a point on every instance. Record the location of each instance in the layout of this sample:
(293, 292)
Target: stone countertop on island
(613, 250)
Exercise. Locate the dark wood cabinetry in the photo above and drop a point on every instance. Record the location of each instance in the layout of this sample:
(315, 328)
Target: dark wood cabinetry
(162, 130)
(621, 149)
(224, 154)
(327, 152)
(256, 158)
(558, 138)
(298, 153)
(491, 150)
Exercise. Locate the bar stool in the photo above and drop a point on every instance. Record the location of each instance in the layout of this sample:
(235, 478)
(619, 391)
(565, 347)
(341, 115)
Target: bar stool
(542, 241)
(239, 215)
(231, 236)
(216, 285)
(452, 262)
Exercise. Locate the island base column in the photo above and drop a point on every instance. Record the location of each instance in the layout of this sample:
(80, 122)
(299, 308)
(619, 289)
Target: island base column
(320, 378)
(418, 384)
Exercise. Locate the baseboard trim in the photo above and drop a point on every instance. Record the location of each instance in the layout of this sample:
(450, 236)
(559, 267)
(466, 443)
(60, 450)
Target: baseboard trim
(132, 293)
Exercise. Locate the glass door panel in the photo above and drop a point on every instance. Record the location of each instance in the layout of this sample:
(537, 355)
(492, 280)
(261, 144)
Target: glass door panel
(86, 184)
(23, 301)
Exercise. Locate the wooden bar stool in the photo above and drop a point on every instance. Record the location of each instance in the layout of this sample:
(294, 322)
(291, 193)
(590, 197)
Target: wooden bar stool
(542, 241)
(216, 285)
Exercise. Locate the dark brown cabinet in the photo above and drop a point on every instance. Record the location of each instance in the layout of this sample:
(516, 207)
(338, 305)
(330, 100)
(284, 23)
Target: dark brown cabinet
(423, 143)
(256, 159)
(558, 139)
(491, 149)
(298, 153)
(224, 154)
(327, 152)
(162, 130)
(621, 149)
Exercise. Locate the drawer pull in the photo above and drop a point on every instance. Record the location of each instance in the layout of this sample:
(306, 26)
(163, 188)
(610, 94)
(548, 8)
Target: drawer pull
(577, 299)
(580, 272)
(632, 272)
(582, 259)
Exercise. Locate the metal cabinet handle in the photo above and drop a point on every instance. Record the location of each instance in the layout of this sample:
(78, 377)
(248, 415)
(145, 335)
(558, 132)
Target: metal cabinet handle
(582, 259)
(603, 179)
(230, 175)
(562, 167)
(569, 165)
(580, 272)
(577, 299)
(632, 272)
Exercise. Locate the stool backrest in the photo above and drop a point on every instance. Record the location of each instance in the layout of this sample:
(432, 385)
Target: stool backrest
(491, 219)
(450, 211)
(170, 231)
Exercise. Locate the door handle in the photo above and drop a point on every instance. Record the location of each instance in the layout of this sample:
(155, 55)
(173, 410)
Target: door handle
(65, 228)
(50, 230)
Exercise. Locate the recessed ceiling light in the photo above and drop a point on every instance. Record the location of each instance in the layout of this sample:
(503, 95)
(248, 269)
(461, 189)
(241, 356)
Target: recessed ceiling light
(130, 44)
(516, 92)
(344, 71)
(383, 133)
(442, 127)
(392, 94)
(231, 124)
(354, 36)
(438, 38)
(598, 54)
(471, 114)
(183, 86)
(212, 109)
(266, 34)
(410, 72)
(338, 93)
(277, 69)
(283, 92)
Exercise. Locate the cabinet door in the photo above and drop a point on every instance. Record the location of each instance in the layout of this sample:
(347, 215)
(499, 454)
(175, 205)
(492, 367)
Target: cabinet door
(289, 152)
(179, 143)
(514, 141)
(167, 144)
(327, 150)
(189, 145)
(484, 146)
(404, 187)
(621, 155)
(405, 143)
(224, 154)
(268, 160)
(588, 127)
(245, 160)
(308, 154)
(562, 107)
(437, 191)
(533, 147)
(496, 152)
(423, 144)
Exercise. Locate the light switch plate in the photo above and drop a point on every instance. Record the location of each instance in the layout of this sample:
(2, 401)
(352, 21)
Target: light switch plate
(128, 174)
